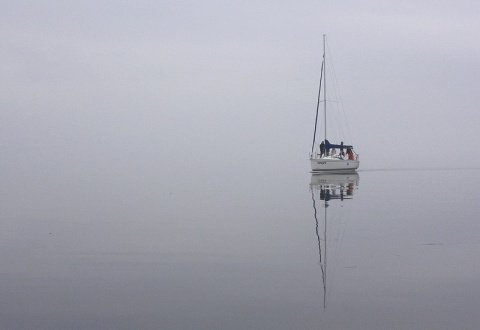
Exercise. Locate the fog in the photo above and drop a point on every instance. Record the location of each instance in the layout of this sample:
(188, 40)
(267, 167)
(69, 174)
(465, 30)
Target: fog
(153, 150)
(158, 89)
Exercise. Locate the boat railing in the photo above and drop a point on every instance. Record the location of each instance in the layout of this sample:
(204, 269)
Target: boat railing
(332, 153)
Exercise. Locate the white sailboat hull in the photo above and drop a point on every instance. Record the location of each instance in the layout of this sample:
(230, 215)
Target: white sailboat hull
(332, 165)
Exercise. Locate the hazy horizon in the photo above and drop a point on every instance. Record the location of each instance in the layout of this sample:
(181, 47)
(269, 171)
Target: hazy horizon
(177, 86)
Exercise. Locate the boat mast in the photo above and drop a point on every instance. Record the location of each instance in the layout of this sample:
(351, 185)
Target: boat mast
(318, 106)
(324, 91)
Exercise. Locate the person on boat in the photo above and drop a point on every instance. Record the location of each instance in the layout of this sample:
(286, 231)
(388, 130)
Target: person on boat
(341, 150)
(322, 149)
(327, 148)
(350, 154)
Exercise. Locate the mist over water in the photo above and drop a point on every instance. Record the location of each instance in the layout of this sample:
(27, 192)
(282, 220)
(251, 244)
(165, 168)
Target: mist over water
(243, 251)
(154, 166)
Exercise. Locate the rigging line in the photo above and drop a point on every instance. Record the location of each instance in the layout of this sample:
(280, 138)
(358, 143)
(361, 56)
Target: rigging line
(337, 89)
(318, 104)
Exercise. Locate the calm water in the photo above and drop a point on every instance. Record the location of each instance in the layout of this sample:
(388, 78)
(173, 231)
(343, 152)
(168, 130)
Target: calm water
(381, 250)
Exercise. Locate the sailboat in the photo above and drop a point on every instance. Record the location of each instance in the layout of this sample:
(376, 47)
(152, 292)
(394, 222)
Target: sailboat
(328, 157)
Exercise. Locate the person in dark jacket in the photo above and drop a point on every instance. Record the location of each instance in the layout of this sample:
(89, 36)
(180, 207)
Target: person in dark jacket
(322, 149)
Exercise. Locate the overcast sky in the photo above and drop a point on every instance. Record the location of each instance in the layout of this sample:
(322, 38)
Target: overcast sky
(175, 86)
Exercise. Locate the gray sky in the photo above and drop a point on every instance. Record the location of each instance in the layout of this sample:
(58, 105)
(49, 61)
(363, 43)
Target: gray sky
(168, 87)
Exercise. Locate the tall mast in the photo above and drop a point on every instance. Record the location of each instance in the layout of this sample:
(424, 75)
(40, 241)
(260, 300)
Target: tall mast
(318, 104)
(324, 90)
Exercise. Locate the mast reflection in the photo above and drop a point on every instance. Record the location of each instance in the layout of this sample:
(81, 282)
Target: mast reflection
(331, 191)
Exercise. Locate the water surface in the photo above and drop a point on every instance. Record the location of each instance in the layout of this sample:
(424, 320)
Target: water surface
(386, 250)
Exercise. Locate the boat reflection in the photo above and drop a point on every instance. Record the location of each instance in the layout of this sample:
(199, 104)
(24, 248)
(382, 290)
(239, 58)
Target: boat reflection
(332, 192)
